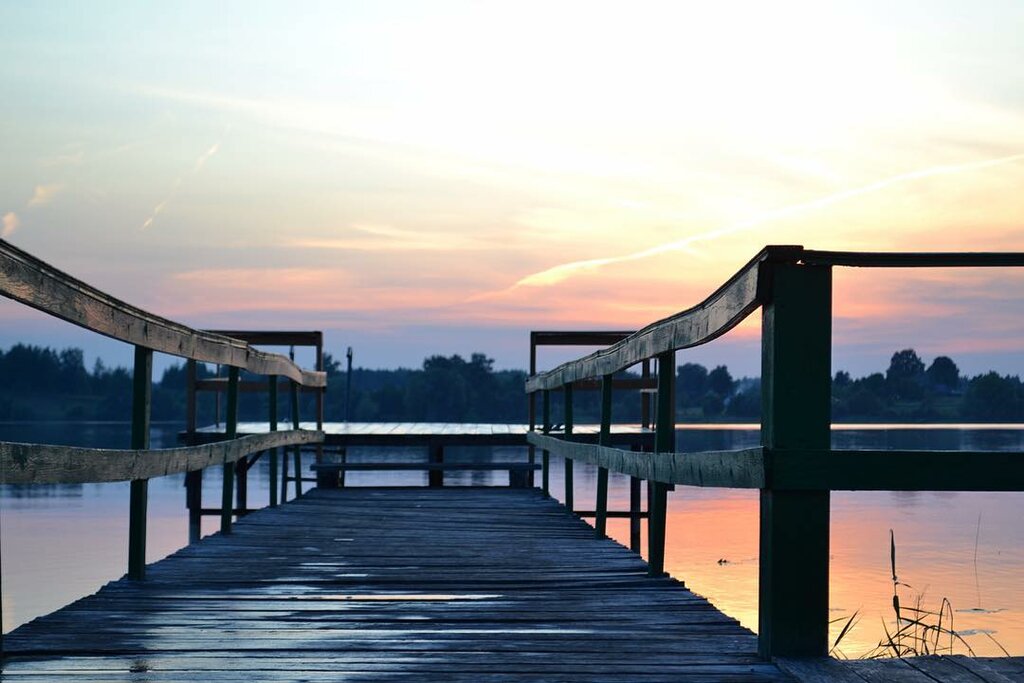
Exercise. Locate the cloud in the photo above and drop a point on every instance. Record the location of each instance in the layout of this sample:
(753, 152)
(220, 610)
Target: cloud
(11, 223)
(563, 271)
(44, 194)
(196, 167)
(386, 238)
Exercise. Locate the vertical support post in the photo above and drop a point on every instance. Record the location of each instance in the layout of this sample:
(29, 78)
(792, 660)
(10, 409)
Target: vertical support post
(142, 394)
(645, 398)
(297, 450)
(634, 514)
(795, 387)
(227, 503)
(601, 508)
(242, 485)
(568, 435)
(435, 478)
(272, 418)
(194, 479)
(545, 455)
(665, 437)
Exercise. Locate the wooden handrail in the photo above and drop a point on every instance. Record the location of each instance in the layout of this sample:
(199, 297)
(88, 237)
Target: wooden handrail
(30, 281)
(27, 463)
(724, 309)
(738, 298)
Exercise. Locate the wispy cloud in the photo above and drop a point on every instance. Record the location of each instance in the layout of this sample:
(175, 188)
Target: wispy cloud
(44, 194)
(561, 272)
(10, 224)
(179, 181)
(386, 238)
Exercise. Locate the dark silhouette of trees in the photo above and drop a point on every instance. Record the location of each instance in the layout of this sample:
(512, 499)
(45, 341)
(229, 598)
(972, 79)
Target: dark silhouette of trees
(42, 383)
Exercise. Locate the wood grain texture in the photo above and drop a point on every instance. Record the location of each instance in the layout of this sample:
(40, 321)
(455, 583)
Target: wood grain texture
(34, 283)
(24, 463)
(732, 469)
(720, 312)
(385, 584)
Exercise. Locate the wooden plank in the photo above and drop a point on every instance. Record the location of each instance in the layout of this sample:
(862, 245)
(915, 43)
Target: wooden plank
(885, 470)
(422, 466)
(742, 468)
(879, 259)
(720, 312)
(30, 281)
(818, 670)
(23, 463)
(425, 584)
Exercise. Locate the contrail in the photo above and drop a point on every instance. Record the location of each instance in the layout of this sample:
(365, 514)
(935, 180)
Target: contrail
(562, 272)
(200, 162)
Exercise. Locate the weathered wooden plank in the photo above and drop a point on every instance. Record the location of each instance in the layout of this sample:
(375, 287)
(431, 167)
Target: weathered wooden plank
(24, 463)
(30, 281)
(425, 584)
(885, 470)
(742, 468)
(720, 312)
(879, 259)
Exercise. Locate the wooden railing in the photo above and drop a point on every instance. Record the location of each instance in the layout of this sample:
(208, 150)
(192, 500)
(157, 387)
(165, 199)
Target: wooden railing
(29, 281)
(795, 468)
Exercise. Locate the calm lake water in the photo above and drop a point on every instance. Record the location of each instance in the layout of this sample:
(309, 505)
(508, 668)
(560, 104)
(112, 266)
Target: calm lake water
(59, 543)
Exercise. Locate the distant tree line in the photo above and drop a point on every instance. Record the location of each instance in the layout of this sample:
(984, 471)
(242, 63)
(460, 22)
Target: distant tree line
(43, 384)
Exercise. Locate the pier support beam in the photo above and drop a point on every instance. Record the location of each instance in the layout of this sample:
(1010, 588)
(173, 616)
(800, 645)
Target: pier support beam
(796, 395)
(142, 394)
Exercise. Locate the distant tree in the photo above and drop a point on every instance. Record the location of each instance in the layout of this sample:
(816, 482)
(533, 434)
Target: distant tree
(992, 397)
(712, 404)
(943, 374)
(905, 376)
(720, 381)
(842, 379)
(691, 382)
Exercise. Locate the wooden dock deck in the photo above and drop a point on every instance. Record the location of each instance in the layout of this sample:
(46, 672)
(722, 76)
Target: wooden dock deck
(455, 584)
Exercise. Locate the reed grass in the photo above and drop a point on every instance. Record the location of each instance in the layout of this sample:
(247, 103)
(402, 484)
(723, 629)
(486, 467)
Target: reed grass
(918, 631)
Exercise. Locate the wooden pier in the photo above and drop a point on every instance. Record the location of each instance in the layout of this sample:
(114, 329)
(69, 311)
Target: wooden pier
(471, 584)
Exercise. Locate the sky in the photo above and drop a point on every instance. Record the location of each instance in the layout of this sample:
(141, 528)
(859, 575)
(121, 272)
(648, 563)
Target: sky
(441, 177)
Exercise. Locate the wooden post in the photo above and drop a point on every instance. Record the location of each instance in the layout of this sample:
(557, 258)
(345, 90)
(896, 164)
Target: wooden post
(242, 485)
(435, 478)
(284, 476)
(645, 398)
(795, 387)
(297, 452)
(142, 395)
(568, 435)
(634, 514)
(665, 437)
(545, 456)
(227, 502)
(272, 417)
(194, 479)
(601, 508)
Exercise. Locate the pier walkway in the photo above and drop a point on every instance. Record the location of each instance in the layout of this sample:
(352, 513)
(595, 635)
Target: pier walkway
(453, 584)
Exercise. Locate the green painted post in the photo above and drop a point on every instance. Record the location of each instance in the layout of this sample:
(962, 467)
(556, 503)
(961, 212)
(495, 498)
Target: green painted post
(272, 401)
(568, 436)
(545, 456)
(142, 395)
(796, 402)
(297, 451)
(664, 442)
(227, 503)
(601, 509)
